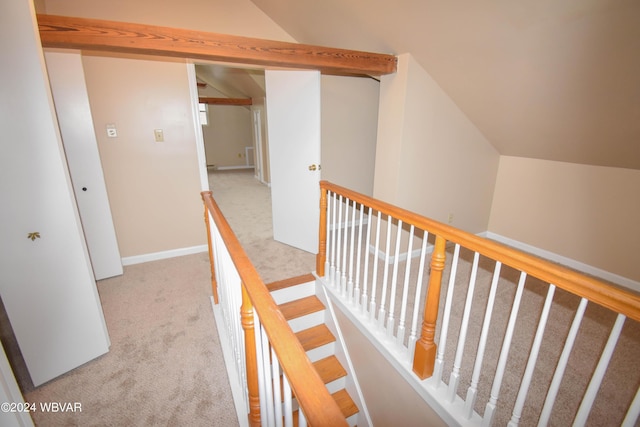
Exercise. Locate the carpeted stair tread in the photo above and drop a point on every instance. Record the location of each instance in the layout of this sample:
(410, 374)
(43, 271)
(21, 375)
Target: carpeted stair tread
(292, 281)
(301, 307)
(315, 337)
(329, 369)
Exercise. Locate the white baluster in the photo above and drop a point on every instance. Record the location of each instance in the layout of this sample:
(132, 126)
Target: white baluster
(275, 368)
(545, 414)
(327, 262)
(345, 228)
(405, 291)
(356, 290)
(601, 368)
(472, 391)
(336, 283)
(394, 283)
(633, 413)
(288, 404)
(490, 408)
(257, 331)
(351, 249)
(417, 300)
(385, 277)
(302, 421)
(372, 308)
(270, 399)
(332, 280)
(454, 378)
(446, 315)
(365, 281)
(533, 357)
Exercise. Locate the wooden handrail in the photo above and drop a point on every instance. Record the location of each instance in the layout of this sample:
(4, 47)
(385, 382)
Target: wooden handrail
(214, 284)
(612, 297)
(225, 101)
(317, 404)
(124, 37)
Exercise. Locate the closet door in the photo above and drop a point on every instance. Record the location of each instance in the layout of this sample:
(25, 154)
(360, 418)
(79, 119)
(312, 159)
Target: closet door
(46, 281)
(71, 101)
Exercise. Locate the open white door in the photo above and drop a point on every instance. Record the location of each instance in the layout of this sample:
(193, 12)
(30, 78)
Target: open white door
(46, 281)
(71, 100)
(293, 124)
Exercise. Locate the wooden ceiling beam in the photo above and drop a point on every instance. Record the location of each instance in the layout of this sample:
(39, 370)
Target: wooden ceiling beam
(226, 101)
(111, 36)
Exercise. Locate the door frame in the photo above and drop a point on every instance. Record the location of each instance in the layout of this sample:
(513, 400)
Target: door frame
(195, 100)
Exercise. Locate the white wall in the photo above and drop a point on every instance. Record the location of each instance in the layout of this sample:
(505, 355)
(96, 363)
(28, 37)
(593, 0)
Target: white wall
(430, 158)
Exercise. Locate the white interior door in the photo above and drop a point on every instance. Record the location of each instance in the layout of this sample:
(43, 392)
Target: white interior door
(46, 281)
(293, 124)
(257, 143)
(10, 392)
(71, 100)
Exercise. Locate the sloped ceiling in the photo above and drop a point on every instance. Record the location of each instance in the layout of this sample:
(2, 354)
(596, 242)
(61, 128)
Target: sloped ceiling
(232, 82)
(547, 79)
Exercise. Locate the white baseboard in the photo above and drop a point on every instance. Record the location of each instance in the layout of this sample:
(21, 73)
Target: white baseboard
(401, 256)
(155, 256)
(229, 168)
(571, 263)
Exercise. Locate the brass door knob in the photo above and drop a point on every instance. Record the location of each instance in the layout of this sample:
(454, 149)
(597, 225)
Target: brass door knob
(314, 167)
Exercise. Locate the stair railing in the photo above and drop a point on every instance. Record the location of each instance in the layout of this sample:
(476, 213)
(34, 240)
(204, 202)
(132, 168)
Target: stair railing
(355, 258)
(269, 361)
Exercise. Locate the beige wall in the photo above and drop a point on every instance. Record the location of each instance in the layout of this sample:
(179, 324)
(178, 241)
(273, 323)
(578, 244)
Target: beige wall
(390, 399)
(153, 187)
(430, 158)
(586, 213)
(227, 135)
(349, 122)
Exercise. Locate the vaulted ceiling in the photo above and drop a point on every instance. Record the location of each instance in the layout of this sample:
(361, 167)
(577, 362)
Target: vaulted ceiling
(547, 79)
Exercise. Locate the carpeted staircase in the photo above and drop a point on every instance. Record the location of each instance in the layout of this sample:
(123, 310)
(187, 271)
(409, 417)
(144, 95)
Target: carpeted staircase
(306, 316)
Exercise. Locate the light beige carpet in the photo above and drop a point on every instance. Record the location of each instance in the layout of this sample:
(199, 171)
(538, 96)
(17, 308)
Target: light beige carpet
(621, 379)
(165, 365)
(251, 219)
(246, 204)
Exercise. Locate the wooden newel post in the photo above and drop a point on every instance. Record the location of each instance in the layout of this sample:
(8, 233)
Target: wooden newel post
(214, 283)
(246, 316)
(425, 354)
(322, 236)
